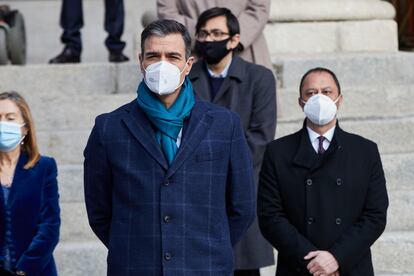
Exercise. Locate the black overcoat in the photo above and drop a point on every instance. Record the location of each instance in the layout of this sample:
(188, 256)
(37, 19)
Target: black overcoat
(336, 201)
(250, 91)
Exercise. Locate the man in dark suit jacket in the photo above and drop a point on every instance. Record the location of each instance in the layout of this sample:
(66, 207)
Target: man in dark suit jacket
(322, 198)
(246, 89)
(169, 183)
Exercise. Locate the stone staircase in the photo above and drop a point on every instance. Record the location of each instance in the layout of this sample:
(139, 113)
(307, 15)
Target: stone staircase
(378, 91)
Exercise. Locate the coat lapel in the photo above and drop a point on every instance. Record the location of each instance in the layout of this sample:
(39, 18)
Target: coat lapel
(198, 126)
(21, 175)
(306, 155)
(199, 78)
(140, 127)
(236, 73)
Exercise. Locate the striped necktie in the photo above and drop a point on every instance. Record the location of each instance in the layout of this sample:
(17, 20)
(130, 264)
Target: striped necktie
(321, 150)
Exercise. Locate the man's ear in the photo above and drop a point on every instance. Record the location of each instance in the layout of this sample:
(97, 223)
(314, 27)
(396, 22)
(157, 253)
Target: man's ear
(300, 102)
(140, 63)
(339, 102)
(233, 42)
(190, 62)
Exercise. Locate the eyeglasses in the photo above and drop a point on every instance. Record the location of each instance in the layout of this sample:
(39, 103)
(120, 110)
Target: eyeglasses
(214, 34)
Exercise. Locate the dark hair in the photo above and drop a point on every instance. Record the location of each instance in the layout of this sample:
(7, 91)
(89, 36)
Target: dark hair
(231, 20)
(319, 70)
(164, 27)
(30, 142)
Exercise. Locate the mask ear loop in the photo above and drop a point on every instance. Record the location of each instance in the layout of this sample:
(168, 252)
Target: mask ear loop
(181, 83)
(337, 99)
(21, 142)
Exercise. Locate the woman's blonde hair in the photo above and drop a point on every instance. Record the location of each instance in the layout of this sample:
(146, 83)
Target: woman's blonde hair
(29, 142)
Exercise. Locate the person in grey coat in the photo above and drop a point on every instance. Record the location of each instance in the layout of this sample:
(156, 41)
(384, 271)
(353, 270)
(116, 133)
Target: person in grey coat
(248, 90)
(251, 14)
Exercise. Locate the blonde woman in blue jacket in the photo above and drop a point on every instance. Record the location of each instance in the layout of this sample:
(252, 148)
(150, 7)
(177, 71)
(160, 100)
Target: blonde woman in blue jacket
(29, 207)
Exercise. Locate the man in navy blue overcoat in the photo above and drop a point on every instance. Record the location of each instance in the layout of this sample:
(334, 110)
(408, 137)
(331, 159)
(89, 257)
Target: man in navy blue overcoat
(169, 183)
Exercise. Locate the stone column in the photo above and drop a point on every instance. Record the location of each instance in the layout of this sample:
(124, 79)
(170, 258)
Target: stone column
(331, 26)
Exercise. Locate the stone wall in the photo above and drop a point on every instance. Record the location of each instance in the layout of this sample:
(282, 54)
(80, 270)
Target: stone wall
(331, 26)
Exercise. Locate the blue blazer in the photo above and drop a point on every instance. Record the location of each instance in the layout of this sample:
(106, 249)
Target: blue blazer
(161, 220)
(35, 221)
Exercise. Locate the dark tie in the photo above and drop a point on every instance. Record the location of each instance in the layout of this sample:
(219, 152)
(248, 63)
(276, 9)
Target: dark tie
(321, 150)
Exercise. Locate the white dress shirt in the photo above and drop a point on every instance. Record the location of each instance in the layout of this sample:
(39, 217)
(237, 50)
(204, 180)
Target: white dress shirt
(180, 134)
(223, 73)
(313, 136)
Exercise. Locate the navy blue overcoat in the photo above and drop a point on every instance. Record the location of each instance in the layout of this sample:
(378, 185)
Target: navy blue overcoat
(156, 219)
(35, 217)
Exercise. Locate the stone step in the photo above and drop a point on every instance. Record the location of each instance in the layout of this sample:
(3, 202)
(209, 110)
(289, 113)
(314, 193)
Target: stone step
(71, 112)
(75, 225)
(392, 256)
(400, 212)
(67, 145)
(399, 171)
(70, 79)
(393, 252)
(397, 167)
(43, 31)
(81, 258)
(359, 102)
(352, 69)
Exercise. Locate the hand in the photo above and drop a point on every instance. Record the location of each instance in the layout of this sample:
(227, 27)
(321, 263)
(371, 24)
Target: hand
(323, 263)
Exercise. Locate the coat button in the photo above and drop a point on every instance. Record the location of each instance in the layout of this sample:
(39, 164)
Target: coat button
(166, 182)
(338, 221)
(338, 181)
(310, 220)
(309, 182)
(167, 256)
(167, 219)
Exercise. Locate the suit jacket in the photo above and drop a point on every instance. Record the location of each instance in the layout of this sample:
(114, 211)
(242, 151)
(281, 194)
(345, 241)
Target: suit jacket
(252, 16)
(335, 202)
(160, 220)
(249, 91)
(35, 221)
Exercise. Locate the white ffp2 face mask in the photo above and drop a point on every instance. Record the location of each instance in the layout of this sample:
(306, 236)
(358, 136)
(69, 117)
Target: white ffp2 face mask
(162, 77)
(320, 109)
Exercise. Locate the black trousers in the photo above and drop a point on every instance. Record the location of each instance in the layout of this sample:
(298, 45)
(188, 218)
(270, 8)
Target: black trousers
(71, 21)
(251, 272)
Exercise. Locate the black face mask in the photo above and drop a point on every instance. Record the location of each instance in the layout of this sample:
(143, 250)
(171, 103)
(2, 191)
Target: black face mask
(212, 51)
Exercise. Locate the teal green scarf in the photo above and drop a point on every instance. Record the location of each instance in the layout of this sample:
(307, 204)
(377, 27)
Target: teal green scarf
(169, 121)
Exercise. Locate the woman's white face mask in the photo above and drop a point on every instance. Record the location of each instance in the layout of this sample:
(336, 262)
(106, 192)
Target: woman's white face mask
(320, 109)
(163, 78)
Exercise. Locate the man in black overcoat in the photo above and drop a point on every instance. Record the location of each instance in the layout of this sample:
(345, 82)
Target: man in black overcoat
(247, 89)
(322, 199)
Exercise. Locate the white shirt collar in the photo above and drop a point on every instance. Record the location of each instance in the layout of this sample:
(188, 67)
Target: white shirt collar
(223, 73)
(313, 137)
